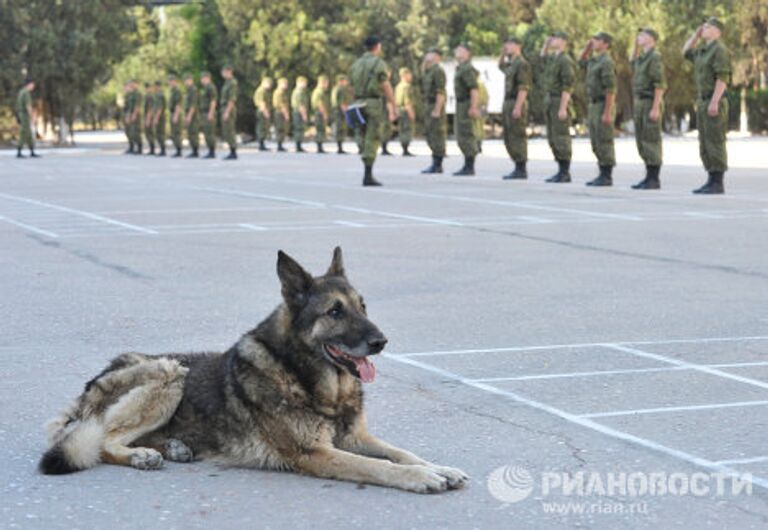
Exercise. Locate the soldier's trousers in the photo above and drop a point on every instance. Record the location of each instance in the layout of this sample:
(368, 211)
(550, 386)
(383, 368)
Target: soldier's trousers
(127, 130)
(436, 129)
(297, 127)
(370, 133)
(136, 133)
(386, 127)
(601, 135)
(160, 131)
(320, 131)
(648, 133)
(558, 131)
(262, 126)
(464, 128)
(25, 134)
(281, 126)
(193, 134)
(176, 132)
(228, 130)
(404, 128)
(149, 132)
(515, 134)
(209, 131)
(339, 125)
(712, 131)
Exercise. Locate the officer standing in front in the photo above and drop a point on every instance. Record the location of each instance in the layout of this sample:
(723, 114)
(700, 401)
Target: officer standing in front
(712, 70)
(208, 98)
(559, 75)
(467, 108)
(648, 86)
(601, 92)
(435, 123)
(369, 76)
(26, 115)
(514, 112)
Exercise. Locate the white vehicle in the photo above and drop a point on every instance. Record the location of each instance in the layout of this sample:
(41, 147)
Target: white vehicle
(489, 74)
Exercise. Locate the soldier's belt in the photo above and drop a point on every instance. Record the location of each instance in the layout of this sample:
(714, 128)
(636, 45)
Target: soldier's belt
(462, 100)
(599, 99)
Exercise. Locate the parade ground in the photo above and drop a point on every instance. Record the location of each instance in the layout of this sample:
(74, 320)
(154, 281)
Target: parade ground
(592, 358)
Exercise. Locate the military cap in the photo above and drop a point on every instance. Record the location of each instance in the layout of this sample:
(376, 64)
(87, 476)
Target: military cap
(227, 66)
(649, 31)
(714, 21)
(205, 73)
(404, 70)
(513, 40)
(465, 45)
(560, 35)
(371, 41)
(265, 79)
(603, 36)
(435, 49)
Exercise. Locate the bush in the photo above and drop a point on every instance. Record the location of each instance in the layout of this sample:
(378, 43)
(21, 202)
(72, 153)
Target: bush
(757, 111)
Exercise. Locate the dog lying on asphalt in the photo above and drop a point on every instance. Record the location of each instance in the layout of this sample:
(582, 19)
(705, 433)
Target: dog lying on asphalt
(286, 396)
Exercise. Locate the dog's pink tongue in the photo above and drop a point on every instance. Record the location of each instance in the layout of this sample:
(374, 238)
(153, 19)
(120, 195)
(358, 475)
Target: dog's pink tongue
(366, 369)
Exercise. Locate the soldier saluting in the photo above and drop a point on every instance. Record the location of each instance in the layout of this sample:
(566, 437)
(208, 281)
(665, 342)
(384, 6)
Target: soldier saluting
(712, 71)
(435, 126)
(514, 112)
(467, 108)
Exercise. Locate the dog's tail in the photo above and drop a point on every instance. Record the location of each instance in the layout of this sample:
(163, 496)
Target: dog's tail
(76, 445)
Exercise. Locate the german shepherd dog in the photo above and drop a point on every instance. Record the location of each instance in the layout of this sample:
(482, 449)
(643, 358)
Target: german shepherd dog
(286, 396)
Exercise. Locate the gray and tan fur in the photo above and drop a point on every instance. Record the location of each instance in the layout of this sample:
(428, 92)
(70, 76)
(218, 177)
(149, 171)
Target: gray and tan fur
(287, 396)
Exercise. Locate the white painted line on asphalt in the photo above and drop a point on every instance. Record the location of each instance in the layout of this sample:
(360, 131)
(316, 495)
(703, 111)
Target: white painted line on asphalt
(350, 223)
(255, 228)
(397, 215)
(753, 460)
(693, 366)
(82, 213)
(583, 422)
(632, 412)
(532, 219)
(278, 198)
(703, 215)
(31, 228)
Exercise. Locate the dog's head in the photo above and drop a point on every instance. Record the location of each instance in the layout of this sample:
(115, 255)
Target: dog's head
(329, 316)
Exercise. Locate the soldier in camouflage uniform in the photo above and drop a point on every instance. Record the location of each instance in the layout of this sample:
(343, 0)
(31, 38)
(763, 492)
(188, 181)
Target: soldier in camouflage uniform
(127, 98)
(467, 108)
(712, 72)
(601, 92)
(300, 111)
(176, 107)
(514, 112)
(406, 115)
(208, 99)
(228, 106)
(341, 97)
(262, 100)
(159, 118)
(435, 124)
(282, 109)
(136, 108)
(386, 125)
(26, 115)
(149, 110)
(369, 77)
(648, 86)
(559, 75)
(321, 106)
(191, 115)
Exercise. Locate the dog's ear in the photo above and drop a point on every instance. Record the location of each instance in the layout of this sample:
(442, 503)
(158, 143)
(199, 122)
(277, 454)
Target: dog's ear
(295, 280)
(337, 264)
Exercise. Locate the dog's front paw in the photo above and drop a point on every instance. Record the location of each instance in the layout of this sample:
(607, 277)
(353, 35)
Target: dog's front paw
(146, 459)
(423, 479)
(456, 477)
(177, 451)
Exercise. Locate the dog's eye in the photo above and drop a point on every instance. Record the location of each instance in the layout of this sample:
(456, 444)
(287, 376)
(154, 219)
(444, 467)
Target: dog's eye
(336, 311)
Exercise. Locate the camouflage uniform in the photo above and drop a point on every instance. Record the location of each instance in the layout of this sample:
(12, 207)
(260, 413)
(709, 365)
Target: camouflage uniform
(299, 98)
(601, 81)
(559, 76)
(479, 122)
(208, 94)
(191, 101)
(320, 100)
(149, 129)
(23, 102)
(229, 95)
(366, 76)
(435, 129)
(647, 77)
(176, 124)
(160, 127)
(341, 97)
(263, 98)
(463, 83)
(517, 78)
(281, 108)
(403, 100)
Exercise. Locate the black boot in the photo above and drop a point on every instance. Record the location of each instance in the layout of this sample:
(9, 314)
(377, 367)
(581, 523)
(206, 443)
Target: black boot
(232, 154)
(436, 167)
(151, 149)
(177, 154)
(520, 173)
(384, 150)
(320, 149)
(651, 180)
(263, 146)
(129, 151)
(714, 185)
(162, 150)
(563, 174)
(19, 155)
(280, 148)
(406, 152)
(605, 178)
(194, 153)
(32, 153)
(340, 149)
(469, 167)
(368, 179)
(139, 149)
(299, 149)
(211, 153)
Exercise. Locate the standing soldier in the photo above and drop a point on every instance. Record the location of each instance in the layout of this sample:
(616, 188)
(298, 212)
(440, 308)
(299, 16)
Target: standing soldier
(136, 131)
(514, 112)
(281, 107)
(435, 125)
(712, 70)
(601, 91)
(369, 76)
(149, 111)
(340, 100)
(467, 108)
(479, 122)
(159, 118)
(321, 106)
(386, 125)
(406, 115)
(262, 100)
(177, 114)
(191, 112)
(559, 74)
(26, 115)
(228, 107)
(300, 107)
(208, 97)
(648, 86)
(127, 110)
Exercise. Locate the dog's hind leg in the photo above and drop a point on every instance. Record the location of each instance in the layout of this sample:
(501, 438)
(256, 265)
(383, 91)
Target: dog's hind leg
(142, 410)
